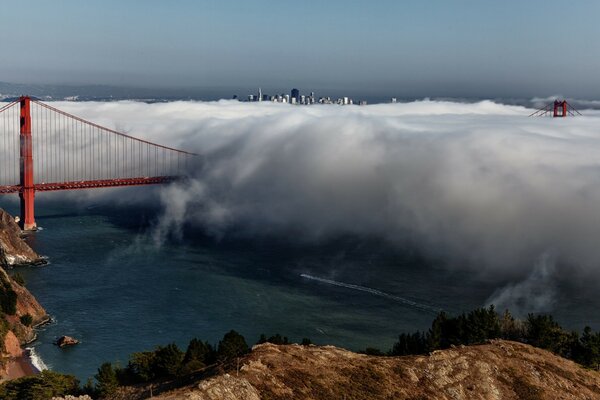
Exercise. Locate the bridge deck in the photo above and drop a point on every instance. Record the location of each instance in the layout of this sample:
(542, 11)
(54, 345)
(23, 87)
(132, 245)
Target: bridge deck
(105, 183)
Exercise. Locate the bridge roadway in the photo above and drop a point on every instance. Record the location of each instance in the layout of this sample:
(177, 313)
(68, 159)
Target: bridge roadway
(105, 183)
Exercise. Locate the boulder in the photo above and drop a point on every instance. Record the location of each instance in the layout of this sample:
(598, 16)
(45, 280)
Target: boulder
(64, 341)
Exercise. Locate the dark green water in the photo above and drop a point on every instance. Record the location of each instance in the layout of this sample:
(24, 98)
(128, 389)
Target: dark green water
(108, 285)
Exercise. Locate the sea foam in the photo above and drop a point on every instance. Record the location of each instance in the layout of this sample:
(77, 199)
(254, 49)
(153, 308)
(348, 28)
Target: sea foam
(36, 360)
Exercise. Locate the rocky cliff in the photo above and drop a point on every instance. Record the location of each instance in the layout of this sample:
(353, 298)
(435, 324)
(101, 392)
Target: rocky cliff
(497, 370)
(13, 249)
(19, 310)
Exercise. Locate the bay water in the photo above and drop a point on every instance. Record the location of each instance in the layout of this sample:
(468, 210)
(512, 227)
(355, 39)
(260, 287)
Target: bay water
(109, 285)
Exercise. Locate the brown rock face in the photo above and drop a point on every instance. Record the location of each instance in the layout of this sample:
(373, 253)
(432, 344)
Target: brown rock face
(13, 250)
(64, 341)
(499, 370)
(23, 312)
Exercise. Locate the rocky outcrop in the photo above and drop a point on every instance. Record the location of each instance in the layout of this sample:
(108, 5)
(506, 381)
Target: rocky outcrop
(498, 370)
(13, 249)
(19, 310)
(65, 341)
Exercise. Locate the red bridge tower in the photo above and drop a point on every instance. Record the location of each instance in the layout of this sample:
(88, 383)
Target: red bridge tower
(27, 192)
(559, 108)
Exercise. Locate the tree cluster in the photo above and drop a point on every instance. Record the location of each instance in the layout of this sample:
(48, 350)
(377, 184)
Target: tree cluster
(45, 385)
(483, 324)
(167, 362)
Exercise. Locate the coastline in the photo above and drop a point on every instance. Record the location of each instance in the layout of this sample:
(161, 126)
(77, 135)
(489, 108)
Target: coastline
(21, 366)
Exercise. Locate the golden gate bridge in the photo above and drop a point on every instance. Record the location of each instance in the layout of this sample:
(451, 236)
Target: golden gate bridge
(67, 152)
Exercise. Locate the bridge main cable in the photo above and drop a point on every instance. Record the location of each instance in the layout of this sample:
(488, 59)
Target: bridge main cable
(68, 152)
(66, 114)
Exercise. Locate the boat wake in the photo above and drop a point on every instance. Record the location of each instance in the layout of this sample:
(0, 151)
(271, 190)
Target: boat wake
(402, 300)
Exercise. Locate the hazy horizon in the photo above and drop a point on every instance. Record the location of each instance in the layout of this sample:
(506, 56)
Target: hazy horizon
(435, 48)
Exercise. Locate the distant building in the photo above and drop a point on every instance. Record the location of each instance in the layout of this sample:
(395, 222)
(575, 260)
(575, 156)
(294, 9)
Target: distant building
(393, 100)
(295, 94)
(260, 98)
(250, 97)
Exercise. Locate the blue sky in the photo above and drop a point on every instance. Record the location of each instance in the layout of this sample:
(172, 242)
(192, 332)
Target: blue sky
(435, 47)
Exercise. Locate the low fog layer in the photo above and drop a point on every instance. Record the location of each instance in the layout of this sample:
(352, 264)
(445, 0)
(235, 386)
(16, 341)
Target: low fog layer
(481, 185)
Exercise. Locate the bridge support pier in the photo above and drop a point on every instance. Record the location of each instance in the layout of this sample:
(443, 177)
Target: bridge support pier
(27, 193)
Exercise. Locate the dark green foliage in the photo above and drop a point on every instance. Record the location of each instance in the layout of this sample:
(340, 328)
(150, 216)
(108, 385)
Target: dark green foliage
(510, 328)
(542, 331)
(89, 388)
(198, 355)
(306, 342)
(141, 366)
(45, 385)
(416, 343)
(107, 380)
(275, 339)
(170, 362)
(8, 298)
(167, 361)
(480, 325)
(26, 319)
(484, 323)
(17, 277)
(372, 351)
(477, 326)
(588, 351)
(231, 346)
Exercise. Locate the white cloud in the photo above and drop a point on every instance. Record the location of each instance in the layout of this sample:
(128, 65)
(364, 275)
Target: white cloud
(481, 184)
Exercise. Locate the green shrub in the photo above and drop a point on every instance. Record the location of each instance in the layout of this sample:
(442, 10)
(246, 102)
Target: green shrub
(167, 361)
(26, 319)
(141, 366)
(198, 355)
(8, 300)
(106, 379)
(231, 346)
(45, 385)
(18, 278)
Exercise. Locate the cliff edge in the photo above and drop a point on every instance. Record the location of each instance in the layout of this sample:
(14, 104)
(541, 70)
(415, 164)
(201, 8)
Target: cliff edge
(20, 312)
(13, 249)
(497, 370)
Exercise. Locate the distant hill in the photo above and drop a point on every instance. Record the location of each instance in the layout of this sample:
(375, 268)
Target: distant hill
(47, 92)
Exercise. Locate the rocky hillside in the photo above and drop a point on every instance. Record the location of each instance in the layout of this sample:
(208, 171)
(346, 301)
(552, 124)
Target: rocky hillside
(19, 310)
(13, 249)
(497, 370)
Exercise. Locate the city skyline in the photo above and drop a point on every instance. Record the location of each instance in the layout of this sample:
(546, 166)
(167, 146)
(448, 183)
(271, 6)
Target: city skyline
(435, 48)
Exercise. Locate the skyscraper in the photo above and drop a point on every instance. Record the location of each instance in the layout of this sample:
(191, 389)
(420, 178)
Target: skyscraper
(295, 94)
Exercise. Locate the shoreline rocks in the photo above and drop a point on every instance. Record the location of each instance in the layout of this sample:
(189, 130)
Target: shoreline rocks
(65, 341)
(14, 250)
(20, 312)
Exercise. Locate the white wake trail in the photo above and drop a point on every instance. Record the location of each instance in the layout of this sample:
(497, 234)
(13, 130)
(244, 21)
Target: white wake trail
(423, 307)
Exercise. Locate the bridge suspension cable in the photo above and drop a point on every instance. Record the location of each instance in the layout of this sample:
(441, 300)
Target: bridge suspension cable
(44, 148)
